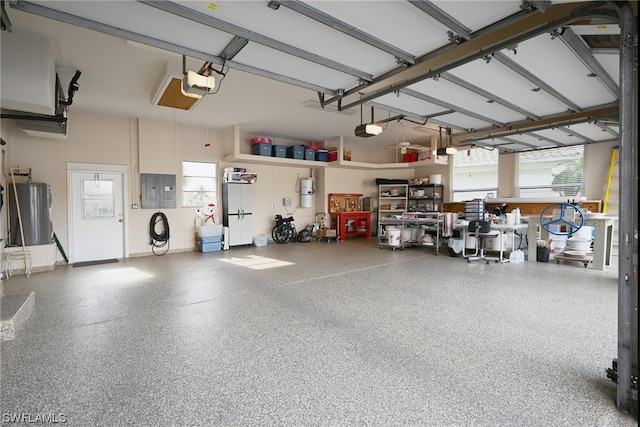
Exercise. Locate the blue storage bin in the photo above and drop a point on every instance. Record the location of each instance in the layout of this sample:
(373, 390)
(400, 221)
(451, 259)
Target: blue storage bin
(210, 244)
(261, 149)
(309, 154)
(322, 156)
(295, 152)
(279, 151)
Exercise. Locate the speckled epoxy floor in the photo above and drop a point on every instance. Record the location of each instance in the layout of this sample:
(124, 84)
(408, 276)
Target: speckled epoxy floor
(346, 335)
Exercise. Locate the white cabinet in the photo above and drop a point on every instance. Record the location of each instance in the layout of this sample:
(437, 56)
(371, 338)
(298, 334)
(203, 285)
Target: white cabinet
(237, 212)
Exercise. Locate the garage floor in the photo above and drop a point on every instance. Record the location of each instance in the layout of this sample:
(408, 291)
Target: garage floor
(315, 334)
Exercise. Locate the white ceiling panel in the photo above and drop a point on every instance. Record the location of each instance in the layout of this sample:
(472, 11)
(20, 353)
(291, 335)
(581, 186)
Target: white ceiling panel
(497, 78)
(464, 98)
(462, 121)
(478, 14)
(148, 21)
(542, 52)
(410, 103)
(591, 132)
(265, 58)
(296, 30)
(328, 51)
(560, 136)
(397, 23)
(610, 60)
(530, 140)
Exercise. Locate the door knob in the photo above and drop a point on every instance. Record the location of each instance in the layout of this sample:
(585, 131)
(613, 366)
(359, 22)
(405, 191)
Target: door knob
(121, 220)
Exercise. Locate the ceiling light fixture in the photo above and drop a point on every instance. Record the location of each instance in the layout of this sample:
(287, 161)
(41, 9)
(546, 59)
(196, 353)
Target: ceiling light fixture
(444, 151)
(195, 85)
(374, 128)
(367, 130)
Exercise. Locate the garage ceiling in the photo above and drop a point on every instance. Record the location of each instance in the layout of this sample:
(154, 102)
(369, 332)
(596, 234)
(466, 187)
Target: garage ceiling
(516, 75)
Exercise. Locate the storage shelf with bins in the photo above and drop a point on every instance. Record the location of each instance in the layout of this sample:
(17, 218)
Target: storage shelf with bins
(425, 198)
(392, 201)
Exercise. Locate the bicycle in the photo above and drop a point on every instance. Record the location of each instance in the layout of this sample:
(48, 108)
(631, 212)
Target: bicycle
(284, 231)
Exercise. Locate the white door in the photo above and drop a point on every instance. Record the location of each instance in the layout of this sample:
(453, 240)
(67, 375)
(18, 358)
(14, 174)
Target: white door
(97, 202)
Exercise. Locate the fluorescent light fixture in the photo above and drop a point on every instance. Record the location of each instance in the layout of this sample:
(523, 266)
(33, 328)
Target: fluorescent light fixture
(445, 151)
(196, 85)
(368, 130)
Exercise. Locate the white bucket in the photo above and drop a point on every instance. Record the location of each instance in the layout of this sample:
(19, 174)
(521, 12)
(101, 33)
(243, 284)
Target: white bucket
(393, 236)
(406, 234)
(435, 179)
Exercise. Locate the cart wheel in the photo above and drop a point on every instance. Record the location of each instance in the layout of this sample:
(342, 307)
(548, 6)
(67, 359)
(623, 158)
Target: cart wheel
(380, 246)
(557, 261)
(586, 264)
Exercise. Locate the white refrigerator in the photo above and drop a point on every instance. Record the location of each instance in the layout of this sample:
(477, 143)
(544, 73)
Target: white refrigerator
(237, 208)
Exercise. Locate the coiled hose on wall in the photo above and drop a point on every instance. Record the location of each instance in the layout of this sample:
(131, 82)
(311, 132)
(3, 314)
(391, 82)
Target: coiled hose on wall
(159, 240)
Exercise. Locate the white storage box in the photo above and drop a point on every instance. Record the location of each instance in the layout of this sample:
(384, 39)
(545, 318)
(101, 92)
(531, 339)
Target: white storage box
(261, 240)
(209, 230)
(493, 243)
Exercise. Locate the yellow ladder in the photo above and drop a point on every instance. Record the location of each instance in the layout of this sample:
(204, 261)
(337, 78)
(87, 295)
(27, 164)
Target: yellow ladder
(611, 195)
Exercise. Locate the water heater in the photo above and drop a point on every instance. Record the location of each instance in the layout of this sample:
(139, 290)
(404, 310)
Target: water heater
(306, 192)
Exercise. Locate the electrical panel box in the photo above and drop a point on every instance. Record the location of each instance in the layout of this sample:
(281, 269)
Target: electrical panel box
(158, 191)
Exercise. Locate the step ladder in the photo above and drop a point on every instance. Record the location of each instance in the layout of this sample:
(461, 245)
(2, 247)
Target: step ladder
(612, 195)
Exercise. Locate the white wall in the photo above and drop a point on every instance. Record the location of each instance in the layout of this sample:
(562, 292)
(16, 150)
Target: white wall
(151, 146)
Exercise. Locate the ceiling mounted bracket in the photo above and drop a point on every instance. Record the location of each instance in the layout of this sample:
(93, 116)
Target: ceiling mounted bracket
(455, 38)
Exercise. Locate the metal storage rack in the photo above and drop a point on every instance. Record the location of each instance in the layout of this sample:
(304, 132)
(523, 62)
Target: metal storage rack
(431, 222)
(425, 198)
(392, 201)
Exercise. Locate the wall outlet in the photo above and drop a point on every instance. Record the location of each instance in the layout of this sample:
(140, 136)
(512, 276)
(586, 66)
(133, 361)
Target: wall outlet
(134, 206)
(286, 201)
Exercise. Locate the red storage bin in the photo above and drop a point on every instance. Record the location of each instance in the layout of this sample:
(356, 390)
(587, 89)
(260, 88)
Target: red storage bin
(261, 140)
(333, 156)
(314, 146)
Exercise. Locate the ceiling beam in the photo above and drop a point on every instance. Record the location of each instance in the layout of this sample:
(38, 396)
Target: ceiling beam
(544, 123)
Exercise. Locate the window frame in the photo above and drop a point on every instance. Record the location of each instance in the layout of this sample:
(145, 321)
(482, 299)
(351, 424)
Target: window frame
(209, 196)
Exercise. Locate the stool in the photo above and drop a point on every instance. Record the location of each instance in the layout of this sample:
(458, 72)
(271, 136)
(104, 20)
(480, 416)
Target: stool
(16, 256)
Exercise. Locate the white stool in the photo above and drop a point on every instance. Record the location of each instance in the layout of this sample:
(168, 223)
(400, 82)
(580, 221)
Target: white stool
(16, 256)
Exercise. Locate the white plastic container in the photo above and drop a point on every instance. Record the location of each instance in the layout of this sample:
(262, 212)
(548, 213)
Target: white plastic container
(261, 240)
(394, 236)
(435, 179)
(209, 230)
